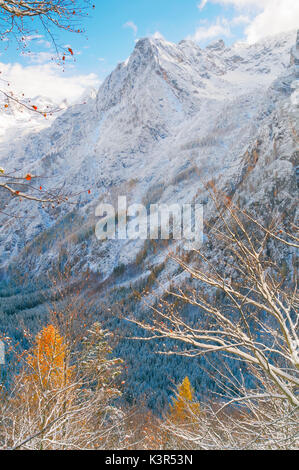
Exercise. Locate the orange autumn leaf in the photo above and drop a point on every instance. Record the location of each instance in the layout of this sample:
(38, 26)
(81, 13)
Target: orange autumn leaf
(28, 177)
(70, 51)
(34, 107)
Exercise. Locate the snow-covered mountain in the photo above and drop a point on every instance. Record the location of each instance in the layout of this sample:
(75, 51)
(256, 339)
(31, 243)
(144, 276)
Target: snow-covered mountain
(163, 124)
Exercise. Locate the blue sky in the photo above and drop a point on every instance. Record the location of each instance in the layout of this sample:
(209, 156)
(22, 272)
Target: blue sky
(117, 24)
(114, 26)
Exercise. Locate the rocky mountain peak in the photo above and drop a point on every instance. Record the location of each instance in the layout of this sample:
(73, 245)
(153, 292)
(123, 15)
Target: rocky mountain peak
(216, 45)
(145, 50)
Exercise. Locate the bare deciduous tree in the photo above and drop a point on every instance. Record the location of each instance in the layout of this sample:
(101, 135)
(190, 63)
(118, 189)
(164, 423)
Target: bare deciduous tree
(19, 20)
(247, 302)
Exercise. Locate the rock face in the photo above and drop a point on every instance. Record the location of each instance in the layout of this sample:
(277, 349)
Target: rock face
(163, 124)
(295, 56)
(217, 45)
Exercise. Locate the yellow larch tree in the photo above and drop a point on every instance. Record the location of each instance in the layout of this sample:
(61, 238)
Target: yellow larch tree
(47, 391)
(184, 407)
(48, 361)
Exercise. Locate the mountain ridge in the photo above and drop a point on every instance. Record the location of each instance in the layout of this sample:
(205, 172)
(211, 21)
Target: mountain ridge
(169, 110)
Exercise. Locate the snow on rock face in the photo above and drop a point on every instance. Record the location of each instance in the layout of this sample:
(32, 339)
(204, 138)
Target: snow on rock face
(295, 57)
(19, 120)
(217, 45)
(163, 124)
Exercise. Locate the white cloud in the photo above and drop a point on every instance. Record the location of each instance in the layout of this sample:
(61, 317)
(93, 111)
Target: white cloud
(202, 4)
(46, 80)
(219, 28)
(132, 25)
(240, 4)
(32, 37)
(241, 19)
(39, 57)
(266, 17)
(44, 43)
(277, 16)
(38, 39)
